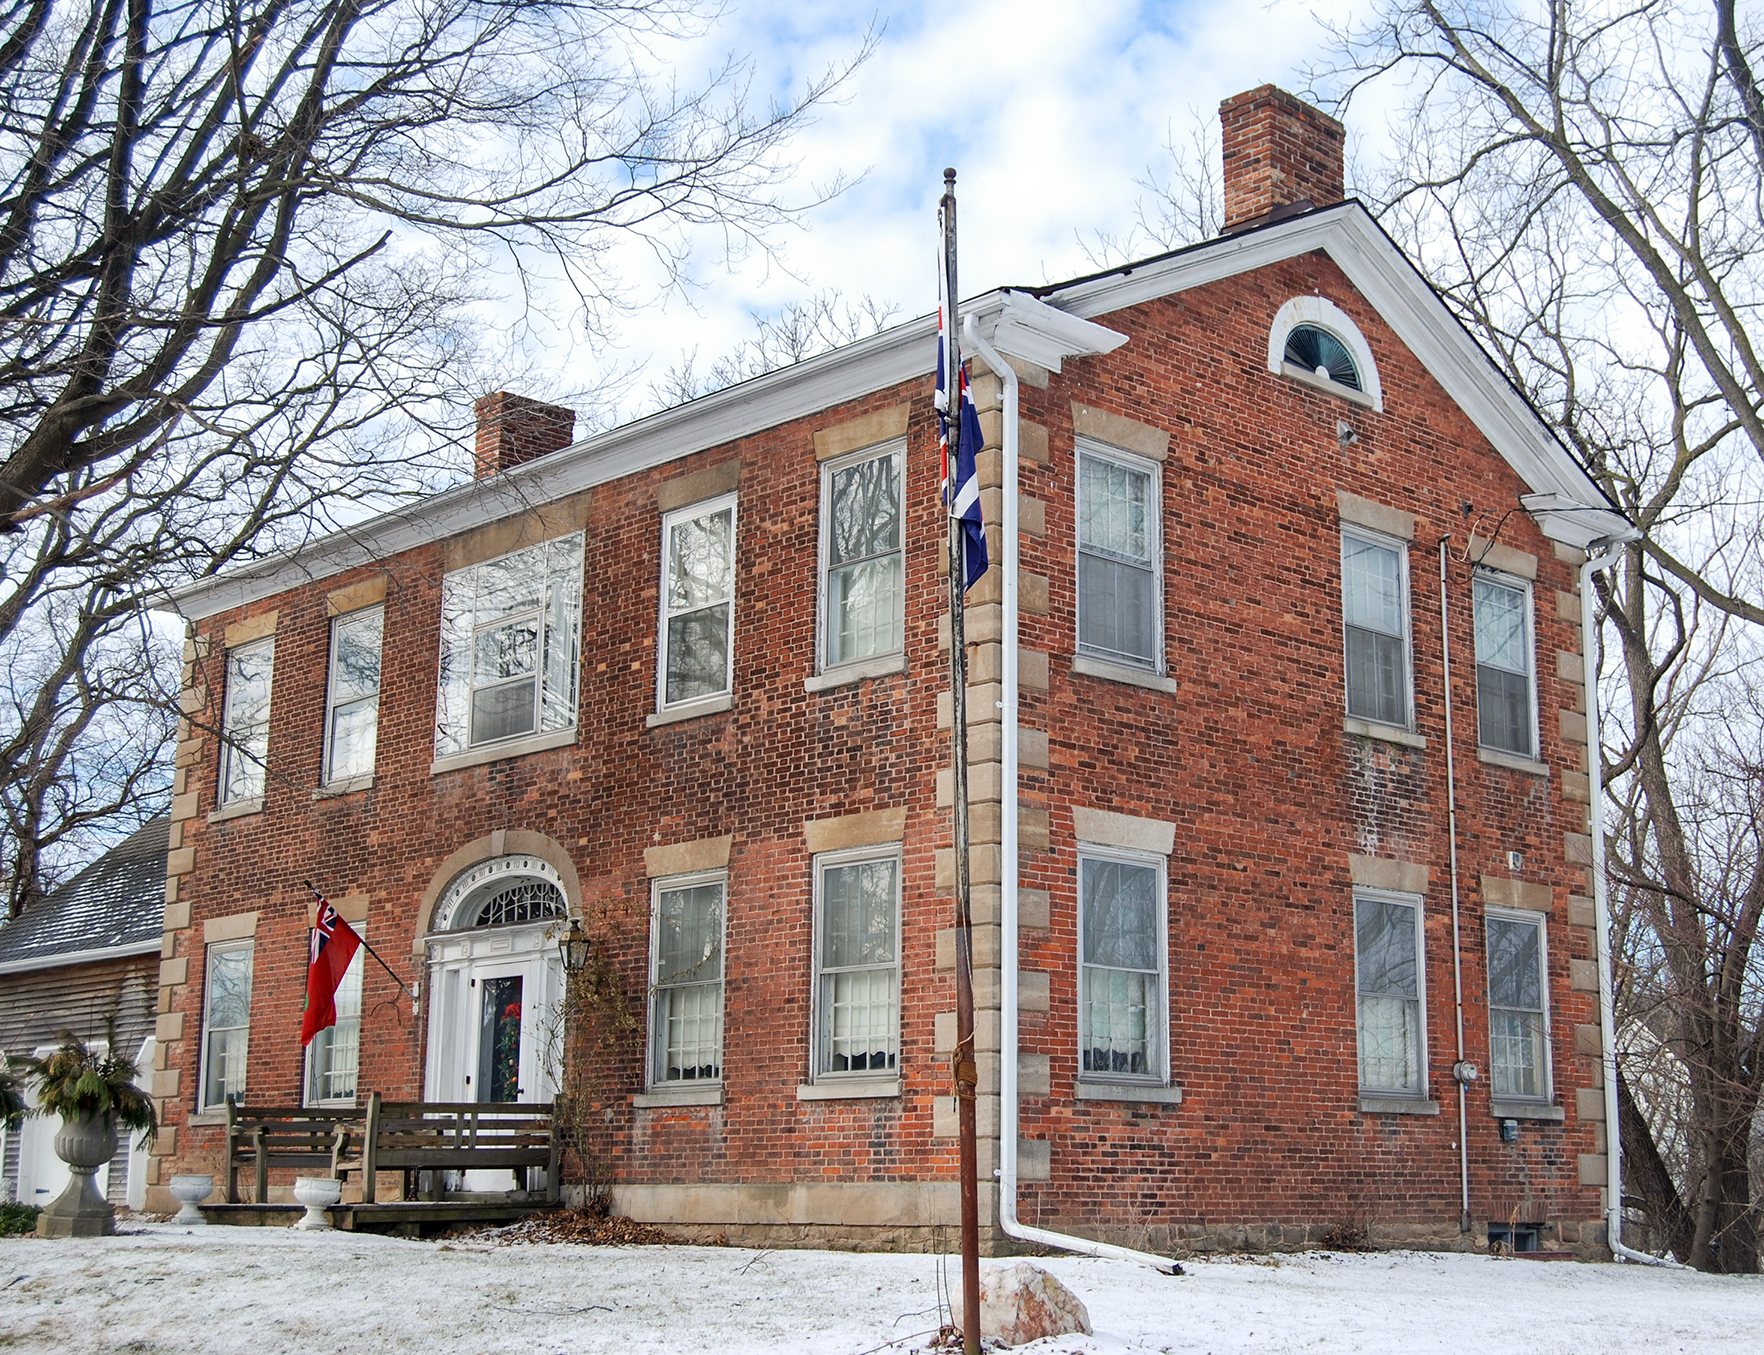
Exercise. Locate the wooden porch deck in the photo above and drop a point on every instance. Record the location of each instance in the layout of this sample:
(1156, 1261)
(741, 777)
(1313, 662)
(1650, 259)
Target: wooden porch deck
(399, 1218)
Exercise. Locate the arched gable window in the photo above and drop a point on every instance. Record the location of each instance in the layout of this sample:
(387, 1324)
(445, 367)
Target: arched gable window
(502, 892)
(1314, 341)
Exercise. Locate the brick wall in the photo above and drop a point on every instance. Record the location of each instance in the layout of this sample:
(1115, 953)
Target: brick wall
(1248, 758)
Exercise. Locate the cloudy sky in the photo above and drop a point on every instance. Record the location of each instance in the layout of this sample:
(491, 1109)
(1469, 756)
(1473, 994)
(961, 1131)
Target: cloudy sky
(1049, 109)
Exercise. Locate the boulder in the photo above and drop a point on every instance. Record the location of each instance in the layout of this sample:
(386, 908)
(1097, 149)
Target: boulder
(1020, 1303)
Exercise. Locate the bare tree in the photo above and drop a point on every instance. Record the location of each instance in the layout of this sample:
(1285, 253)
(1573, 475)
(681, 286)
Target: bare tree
(801, 330)
(1586, 188)
(245, 249)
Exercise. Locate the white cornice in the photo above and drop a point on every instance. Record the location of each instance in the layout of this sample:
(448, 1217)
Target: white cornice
(1041, 330)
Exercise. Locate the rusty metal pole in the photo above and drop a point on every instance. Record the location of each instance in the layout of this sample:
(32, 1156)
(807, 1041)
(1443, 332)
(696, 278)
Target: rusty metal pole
(964, 1067)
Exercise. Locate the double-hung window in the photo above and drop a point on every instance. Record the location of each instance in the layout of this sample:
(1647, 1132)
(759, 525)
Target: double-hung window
(352, 700)
(1375, 615)
(686, 981)
(1518, 1036)
(226, 1023)
(863, 590)
(1119, 594)
(333, 1059)
(245, 721)
(857, 943)
(511, 635)
(1391, 1016)
(1504, 704)
(1121, 985)
(697, 602)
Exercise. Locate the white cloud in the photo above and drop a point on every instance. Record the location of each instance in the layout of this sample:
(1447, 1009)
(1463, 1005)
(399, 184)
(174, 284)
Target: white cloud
(1049, 110)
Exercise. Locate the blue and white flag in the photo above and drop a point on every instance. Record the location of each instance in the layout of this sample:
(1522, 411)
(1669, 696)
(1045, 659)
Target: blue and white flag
(963, 495)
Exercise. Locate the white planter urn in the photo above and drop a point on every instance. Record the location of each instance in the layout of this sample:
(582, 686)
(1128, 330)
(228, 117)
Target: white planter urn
(317, 1193)
(190, 1191)
(85, 1144)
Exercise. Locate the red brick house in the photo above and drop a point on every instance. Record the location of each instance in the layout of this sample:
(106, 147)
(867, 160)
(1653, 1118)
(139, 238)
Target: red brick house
(685, 681)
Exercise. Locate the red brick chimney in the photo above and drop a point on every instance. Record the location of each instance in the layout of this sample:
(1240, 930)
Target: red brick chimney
(513, 429)
(1279, 152)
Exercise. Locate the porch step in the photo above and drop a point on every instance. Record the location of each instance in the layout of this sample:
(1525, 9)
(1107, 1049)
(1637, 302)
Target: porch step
(406, 1218)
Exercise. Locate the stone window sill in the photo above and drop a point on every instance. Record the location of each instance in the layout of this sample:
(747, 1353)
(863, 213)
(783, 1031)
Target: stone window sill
(237, 810)
(1373, 1104)
(855, 1090)
(1120, 672)
(1494, 757)
(1348, 393)
(848, 673)
(345, 787)
(496, 752)
(1129, 1091)
(691, 710)
(707, 1094)
(202, 1119)
(1526, 1110)
(1371, 729)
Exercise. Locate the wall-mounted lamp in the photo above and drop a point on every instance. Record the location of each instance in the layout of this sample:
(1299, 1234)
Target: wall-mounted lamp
(572, 947)
(1344, 434)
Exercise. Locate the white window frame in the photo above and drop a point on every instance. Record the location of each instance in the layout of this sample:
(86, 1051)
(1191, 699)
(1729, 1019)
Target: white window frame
(657, 1033)
(1139, 465)
(896, 447)
(204, 1101)
(1542, 923)
(477, 750)
(1405, 609)
(1158, 1039)
(1416, 902)
(331, 693)
(705, 508)
(818, 1015)
(352, 981)
(230, 750)
(1523, 587)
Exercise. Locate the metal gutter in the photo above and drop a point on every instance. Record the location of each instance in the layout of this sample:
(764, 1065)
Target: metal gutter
(32, 964)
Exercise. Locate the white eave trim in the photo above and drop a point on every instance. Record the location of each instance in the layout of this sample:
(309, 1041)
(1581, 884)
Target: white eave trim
(64, 959)
(1036, 332)
(1390, 283)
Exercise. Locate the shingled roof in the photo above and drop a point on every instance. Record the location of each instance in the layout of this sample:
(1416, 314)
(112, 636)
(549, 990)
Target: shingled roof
(115, 906)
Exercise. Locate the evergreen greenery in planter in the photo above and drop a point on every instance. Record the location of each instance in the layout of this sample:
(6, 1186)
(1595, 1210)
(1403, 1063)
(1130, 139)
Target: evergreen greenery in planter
(76, 1083)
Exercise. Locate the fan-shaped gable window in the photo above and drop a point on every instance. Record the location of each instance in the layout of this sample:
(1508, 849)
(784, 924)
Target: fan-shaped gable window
(1312, 340)
(505, 892)
(1320, 352)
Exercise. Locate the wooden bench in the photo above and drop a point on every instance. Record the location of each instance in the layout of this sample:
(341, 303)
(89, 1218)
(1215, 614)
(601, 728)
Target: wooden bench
(290, 1136)
(435, 1136)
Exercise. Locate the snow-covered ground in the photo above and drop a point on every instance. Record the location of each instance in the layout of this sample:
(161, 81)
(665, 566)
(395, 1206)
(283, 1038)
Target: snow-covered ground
(254, 1291)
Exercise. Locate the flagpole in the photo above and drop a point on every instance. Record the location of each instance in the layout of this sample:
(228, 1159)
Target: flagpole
(362, 942)
(964, 1066)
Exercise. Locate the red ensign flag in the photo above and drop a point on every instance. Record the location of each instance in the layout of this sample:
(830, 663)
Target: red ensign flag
(334, 944)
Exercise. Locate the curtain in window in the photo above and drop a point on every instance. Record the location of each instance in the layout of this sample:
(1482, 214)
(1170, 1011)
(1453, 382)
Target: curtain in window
(864, 568)
(688, 1023)
(1121, 967)
(1503, 668)
(1372, 603)
(355, 694)
(226, 1024)
(1516, 1008)
(245, 728)
(1389, 996)
(1117, 580)
(700, 587)
(511, 636)
(860, 986)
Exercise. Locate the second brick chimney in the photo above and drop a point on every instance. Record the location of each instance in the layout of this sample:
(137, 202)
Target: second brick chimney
(513, 429)
(1279, 152)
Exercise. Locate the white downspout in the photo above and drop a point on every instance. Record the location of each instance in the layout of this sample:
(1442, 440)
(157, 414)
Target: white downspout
(1602, 925)
(1007, 1059)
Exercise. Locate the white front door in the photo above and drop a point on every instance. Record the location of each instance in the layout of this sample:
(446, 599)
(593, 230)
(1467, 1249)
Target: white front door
(493, 1016)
